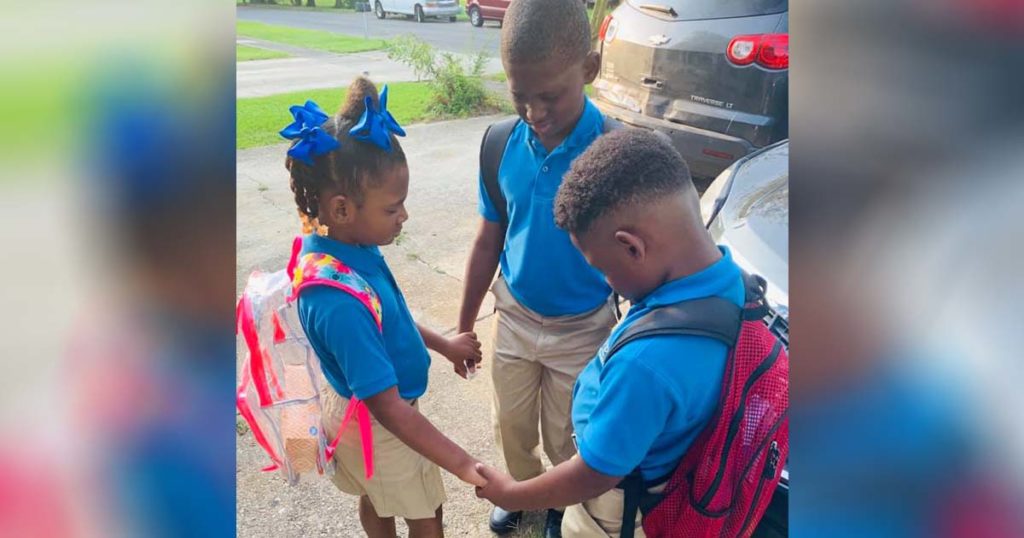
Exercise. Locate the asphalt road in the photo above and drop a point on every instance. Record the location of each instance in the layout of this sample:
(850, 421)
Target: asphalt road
(458, 36)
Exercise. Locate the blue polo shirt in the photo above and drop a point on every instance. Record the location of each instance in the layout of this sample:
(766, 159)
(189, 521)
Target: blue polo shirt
(644, 406)
(542, 268)
(355, 357)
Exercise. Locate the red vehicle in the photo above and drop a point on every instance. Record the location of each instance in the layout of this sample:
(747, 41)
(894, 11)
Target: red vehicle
(486, 10)
(494, 10)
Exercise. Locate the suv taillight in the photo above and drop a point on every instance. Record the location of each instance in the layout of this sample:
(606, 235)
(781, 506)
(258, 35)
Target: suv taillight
(768, 50)
(608, 28)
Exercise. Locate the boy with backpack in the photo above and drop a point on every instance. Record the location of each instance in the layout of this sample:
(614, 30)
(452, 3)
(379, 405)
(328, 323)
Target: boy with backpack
(681, 417)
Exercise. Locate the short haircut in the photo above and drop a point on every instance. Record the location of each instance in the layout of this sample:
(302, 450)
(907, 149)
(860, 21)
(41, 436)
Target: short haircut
(536, 30)
(624, 168)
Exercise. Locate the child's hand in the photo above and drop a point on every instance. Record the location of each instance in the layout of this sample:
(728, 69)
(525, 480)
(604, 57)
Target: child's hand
(499, 487)
(462, 349)
(468, 473)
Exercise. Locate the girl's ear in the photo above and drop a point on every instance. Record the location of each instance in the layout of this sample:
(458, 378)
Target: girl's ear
(340, 209)
(634, 245)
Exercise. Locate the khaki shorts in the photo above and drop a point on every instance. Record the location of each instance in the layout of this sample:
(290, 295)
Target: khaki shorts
(404, 483)
(600, 516)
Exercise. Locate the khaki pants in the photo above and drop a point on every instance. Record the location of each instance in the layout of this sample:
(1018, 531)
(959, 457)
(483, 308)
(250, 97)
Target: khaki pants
(404, 483)
(600, 516)
(535, 364)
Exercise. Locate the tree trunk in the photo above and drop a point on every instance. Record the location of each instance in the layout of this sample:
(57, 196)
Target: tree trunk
(310, 3)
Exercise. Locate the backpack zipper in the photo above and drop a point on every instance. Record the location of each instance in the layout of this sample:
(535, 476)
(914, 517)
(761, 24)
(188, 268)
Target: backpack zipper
(734, 426)
(767, 474)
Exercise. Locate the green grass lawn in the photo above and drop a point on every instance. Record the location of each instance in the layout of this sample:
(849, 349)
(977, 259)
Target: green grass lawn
(245, 53)
(310, 39)
(260, 118)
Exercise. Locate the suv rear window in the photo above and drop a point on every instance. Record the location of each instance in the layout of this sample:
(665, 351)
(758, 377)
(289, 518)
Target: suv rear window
(712, 9)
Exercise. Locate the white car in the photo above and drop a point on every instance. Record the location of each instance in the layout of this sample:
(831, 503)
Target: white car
(420, 9)
(747, 209)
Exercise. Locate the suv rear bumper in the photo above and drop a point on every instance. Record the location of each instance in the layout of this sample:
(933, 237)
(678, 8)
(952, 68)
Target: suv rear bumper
(697, 146)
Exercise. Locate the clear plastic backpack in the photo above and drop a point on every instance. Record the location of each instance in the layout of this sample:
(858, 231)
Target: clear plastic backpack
(281, 379)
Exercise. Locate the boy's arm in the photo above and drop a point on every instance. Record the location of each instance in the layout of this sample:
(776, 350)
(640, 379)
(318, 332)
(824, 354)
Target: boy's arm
(569, 483)
(413, 429)
(483, 261)
(459, 350)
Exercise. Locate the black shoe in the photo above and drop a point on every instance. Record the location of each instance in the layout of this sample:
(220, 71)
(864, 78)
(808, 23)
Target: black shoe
(504, 522)
(553, 525)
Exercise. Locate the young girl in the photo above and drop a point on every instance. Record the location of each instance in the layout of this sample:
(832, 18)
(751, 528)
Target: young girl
(350, 180)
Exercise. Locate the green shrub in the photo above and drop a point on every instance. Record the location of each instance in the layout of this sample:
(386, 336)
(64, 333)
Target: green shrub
(457, 86)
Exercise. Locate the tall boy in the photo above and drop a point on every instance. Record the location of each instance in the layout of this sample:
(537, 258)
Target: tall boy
(553, 309)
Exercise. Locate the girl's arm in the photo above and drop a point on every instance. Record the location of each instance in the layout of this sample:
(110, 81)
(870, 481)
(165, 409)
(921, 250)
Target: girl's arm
(413, 429)
(433, 339)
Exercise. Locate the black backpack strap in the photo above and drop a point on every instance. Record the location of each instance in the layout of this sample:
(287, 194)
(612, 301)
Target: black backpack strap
(633, 490)
(636, 496)
(492, 149)
(711, 317)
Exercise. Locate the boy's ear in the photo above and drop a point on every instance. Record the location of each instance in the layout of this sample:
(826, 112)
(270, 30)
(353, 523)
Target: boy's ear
(635, 247)
(591, 66)
(341, 209)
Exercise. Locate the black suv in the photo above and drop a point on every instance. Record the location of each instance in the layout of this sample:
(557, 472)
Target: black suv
(712, 74)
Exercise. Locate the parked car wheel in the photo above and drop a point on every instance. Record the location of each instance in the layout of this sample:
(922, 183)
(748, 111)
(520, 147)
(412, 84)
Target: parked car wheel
(379, 10)
(474, 17)
(419, 14)
(452, 18)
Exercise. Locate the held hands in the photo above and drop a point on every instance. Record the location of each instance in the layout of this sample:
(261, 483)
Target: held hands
(469, 474)
(463, 350)
(499, 488)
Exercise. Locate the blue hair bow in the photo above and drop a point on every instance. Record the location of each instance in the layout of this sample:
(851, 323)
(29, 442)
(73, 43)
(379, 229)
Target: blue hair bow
(313, 140)
(376, 125)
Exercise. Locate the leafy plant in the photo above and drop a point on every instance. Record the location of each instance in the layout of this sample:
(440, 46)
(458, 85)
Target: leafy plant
(457, 85)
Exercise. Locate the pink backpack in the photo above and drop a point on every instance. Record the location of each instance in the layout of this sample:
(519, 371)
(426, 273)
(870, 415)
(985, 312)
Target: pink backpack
(281, 378)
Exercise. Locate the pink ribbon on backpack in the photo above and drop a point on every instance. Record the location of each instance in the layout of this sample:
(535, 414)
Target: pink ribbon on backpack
(246, 325)
(357, 408)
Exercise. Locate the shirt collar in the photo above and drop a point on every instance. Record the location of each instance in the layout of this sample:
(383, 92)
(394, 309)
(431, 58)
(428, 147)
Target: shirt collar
(587, 128)
(708, 282)
(365, 259)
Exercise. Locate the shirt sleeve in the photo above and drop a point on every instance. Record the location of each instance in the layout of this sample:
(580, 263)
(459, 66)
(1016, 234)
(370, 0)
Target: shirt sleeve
(633, 407)
(484, 204)
(350, 335)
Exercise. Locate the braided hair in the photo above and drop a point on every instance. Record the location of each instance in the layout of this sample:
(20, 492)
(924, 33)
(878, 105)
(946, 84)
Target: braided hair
(348, 170)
